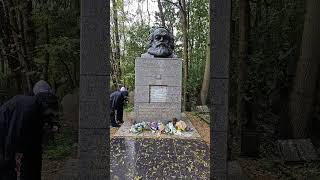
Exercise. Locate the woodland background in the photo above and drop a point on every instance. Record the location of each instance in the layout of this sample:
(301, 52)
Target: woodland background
(274, 86)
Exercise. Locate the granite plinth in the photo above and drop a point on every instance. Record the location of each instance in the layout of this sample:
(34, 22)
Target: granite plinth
(157, 89)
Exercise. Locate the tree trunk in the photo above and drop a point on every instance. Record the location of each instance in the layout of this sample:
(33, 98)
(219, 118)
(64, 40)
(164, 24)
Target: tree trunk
(149, 19)
(123, 31)
(2, 62)
(68, 71)
(47, 55)
(244, 29)
(206, 77)
(29, 32)
(163, 23)
(2, 58)
(16, 33)
(307, 73)
(24, 38)
(171, 21)
(140, 13)
(2, 36)
(258, 13)
(183, 10)
(117, 41)
(76, 5)
(29, 40)
(11, 52)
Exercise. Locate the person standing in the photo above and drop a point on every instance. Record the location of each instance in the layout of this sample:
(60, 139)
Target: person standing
(117, 100)
(22, 119)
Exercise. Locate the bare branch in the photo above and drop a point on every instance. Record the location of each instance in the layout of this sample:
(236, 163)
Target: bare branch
(183, 8)
(180, 4)
(175, 4)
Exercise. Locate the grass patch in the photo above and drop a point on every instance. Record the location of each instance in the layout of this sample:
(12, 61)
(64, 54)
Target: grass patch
(128, 107)
(61, 147)
(203, 116)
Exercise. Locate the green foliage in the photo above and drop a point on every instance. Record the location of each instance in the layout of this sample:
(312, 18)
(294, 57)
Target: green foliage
(291, 172)
(170, 14)
(198, 40)
(134, 37)
(274, 44)
(128, 107)
(61, 147)
(63, 46)
(137, 36)
(203, 116)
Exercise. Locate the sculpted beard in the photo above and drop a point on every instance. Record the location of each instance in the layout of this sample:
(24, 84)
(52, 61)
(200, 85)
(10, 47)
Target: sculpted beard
(160, 50)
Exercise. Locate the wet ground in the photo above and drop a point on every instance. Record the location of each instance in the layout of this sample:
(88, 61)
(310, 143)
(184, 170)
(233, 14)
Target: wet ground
(154, 158)
(151, 156)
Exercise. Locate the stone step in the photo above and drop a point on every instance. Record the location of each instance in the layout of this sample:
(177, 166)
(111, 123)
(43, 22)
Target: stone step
(295, 150)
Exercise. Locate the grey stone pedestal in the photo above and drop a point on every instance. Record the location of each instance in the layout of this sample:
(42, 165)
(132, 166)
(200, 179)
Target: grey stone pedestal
(157, 89)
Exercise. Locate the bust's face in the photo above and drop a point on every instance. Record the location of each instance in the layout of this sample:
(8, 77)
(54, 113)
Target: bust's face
(161, 37)
(160, 46)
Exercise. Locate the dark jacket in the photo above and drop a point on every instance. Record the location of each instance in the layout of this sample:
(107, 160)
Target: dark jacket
(19, 125)
(117, 99)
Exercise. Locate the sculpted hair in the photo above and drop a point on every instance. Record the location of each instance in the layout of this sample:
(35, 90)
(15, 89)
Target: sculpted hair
(151, 37)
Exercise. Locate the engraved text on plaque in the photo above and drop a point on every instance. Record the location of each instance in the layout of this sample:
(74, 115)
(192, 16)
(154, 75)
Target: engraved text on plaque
(158, 93)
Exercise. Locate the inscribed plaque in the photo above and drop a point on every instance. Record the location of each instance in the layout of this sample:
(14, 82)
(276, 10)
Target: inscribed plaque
(158, 93)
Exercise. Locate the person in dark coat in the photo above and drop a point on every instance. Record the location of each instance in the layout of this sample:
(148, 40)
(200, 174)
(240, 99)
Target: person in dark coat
(22, 119)
(117, 100)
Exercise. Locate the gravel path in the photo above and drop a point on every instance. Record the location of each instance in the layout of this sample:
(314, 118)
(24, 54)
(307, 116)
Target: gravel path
(202, 127)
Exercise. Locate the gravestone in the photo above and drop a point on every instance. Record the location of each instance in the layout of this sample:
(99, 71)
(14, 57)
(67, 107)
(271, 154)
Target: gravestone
(297, 150)
(158, 82)
(157, 89)
(70, 107)
(202, 109)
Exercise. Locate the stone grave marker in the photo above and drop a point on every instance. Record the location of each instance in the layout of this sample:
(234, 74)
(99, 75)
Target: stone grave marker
(202, 109)
(70, 107)
(292, 150)
(158, 81)
(157, 89)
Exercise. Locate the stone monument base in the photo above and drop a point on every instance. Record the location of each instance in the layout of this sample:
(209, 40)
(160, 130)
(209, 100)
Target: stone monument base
(124, 131)
(157, 89)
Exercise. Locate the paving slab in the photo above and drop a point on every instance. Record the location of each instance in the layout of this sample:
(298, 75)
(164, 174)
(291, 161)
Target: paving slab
(150, 158)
